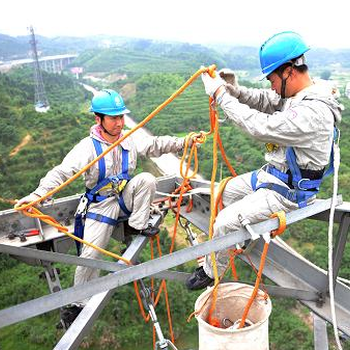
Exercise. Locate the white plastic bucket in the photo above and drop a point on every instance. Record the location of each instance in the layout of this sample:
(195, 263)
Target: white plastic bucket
(231, 301)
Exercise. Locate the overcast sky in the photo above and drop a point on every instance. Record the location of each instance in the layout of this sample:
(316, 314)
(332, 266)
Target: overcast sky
(247, 22)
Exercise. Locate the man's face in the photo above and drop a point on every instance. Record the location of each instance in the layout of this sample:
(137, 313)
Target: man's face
(113, 124)
(275, 81)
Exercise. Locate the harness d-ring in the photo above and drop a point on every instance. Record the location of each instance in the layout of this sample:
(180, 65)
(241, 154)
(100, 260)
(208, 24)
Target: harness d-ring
(281, 215)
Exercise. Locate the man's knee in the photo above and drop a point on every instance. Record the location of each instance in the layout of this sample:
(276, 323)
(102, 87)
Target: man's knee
(147, 180)
(89, 252)
(219, 228)
(236, 189)
(223, 224)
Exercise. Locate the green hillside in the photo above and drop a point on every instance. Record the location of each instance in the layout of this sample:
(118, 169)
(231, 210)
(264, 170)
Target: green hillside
(51, 135)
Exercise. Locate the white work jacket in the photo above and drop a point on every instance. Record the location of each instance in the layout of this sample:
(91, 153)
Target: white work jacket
(305, 122)
(84, 152)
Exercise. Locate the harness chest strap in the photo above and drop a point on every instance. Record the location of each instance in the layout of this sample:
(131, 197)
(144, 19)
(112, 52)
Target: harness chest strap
(92, 196)
(103, 181)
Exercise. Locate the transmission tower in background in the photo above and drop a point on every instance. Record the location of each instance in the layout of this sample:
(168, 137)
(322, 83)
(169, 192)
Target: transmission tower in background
(41, 102)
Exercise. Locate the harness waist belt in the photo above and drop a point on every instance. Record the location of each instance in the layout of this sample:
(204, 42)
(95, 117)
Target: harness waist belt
(286, 177)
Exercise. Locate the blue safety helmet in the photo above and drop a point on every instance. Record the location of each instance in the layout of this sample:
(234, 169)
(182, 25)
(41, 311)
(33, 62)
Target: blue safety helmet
(108, 102)
(279, 49)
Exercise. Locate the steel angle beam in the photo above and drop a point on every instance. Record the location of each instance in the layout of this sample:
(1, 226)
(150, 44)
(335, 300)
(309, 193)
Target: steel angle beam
(288, 269)
(200, 214)
(103, 284)
(72, 338)
(278, 291)
(75, 260)
(340, 244)
(340, 210)
(85, 320)
(166, 184)
(57, 257)
(320, 333)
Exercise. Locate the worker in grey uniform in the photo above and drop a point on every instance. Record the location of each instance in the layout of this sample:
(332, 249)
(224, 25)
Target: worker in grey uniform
(296, 119)
(111, 192)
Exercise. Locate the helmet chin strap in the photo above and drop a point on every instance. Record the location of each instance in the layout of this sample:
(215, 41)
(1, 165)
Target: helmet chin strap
(283, 87)
(284, 82)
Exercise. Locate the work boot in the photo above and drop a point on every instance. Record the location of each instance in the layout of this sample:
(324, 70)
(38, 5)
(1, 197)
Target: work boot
(149, 231)
(198, 280)
(69, 314)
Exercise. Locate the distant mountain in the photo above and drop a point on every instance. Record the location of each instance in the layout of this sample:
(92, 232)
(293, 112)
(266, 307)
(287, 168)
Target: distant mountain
(235, 57)
(12, 48)
(18, 47)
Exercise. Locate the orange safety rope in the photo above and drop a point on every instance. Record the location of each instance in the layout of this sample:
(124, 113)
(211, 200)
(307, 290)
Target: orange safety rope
(281, 215)
(224, 157)
(162, 287)
(185, 185)
(256, 287)
(233, 254)
(256, 272)
(30, 210)
(215, 203)
(35, 213)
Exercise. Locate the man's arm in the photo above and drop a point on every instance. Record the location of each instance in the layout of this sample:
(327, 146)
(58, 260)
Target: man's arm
(155, 146)
(75, 160)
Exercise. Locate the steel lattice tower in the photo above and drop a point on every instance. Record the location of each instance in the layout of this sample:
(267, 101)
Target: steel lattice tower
(41, 102)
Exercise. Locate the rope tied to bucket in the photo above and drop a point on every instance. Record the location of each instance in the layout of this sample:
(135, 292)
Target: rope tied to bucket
(281, 215)
(244, 321)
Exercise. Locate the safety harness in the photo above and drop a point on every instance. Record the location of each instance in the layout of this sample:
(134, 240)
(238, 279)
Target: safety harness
(117, 182)
(302, 184)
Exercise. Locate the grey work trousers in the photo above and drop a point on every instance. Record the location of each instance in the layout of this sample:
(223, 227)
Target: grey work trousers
(138, 195)
(239, 198)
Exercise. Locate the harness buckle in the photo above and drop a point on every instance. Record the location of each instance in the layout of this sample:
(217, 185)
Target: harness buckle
(82, 206)
(300, 182)
(119, 185)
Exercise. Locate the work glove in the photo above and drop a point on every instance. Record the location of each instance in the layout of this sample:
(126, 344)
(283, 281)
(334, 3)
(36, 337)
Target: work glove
(230, 78)
(154, 210)
(228, 75)
(27, 199)
(212, 85)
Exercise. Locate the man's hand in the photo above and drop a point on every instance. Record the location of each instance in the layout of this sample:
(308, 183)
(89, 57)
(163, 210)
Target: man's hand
(211, 85)
(228, 75)
(232, 86)
(27, 199)
(154, 210)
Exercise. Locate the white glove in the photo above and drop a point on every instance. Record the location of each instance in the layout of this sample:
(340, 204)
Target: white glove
(27, 199)
(232, 86)
(211, 85)
(154, 210)
(228, 75)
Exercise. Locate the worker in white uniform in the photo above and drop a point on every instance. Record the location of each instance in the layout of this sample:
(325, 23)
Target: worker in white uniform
(296, 119)
(111, 194)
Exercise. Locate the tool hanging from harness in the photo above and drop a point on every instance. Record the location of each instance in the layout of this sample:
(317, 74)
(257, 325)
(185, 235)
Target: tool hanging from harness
(118, 182)
(302, 183)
